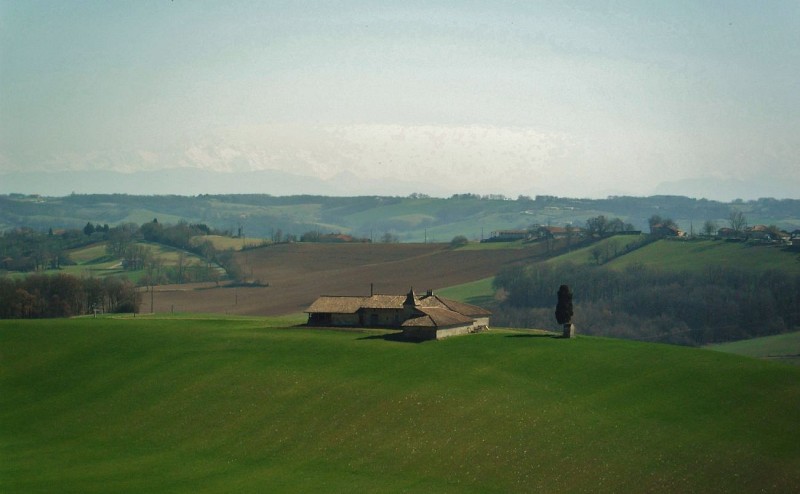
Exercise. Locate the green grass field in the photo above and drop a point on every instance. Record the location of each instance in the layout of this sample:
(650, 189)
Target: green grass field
(782, 348)
(583, 255)
(199, 404)
(679, 255)
(93, 260)
(478, 292)
(89, 254)
(687, 256)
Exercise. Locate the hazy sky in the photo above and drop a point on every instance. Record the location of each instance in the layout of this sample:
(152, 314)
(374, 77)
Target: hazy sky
(565, 98)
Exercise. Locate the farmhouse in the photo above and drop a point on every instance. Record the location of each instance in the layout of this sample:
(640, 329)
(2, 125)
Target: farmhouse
(509, 235)
(661, 230)
(426, 317)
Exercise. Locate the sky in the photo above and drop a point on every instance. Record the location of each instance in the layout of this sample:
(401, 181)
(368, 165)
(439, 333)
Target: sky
(575, 99)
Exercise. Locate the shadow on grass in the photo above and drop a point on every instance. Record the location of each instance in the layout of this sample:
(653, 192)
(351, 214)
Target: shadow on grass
(387, 336)
(537, 335)
(481, 300)
(397, 337)
(99, 260)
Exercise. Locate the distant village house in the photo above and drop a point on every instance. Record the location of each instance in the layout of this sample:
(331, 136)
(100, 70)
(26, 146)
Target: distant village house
(760, 233)
(540, 232)
(509, 235)
(662, 230)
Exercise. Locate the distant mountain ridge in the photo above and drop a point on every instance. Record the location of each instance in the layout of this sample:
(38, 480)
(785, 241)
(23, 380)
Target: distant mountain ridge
(193, 181)
(699, 187)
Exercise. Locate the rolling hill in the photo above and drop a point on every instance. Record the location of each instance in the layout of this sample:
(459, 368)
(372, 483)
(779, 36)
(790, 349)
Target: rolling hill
(415, 218)
(663, 254)
(221, 405)
(694, 255)
(780, 348)
(683, 255)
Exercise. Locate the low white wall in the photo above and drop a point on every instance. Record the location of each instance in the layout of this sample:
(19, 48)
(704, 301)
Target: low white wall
(444, 333)
(416, 333)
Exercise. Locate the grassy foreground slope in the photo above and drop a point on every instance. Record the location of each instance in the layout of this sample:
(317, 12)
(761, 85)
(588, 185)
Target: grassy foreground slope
(226, 405)
(781, 347)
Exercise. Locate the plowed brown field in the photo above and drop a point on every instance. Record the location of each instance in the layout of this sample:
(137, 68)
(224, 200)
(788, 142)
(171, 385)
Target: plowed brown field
(298, 273)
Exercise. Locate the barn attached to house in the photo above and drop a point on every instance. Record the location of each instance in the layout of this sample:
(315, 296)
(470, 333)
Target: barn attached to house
(426, 317)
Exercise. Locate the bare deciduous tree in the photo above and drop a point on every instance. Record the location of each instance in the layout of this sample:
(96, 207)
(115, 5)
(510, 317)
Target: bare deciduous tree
(737, 220)
(709, 227)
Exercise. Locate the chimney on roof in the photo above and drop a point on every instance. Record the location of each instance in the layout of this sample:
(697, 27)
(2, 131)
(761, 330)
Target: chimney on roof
(371, 289)
(429, 293)
(411, 299)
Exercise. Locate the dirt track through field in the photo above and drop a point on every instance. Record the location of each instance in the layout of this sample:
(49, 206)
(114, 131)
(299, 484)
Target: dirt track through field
(298, 273)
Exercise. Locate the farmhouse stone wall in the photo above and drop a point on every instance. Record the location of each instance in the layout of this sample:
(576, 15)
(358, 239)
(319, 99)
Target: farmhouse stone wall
(481, 322)
(381, 317)
(344, 319)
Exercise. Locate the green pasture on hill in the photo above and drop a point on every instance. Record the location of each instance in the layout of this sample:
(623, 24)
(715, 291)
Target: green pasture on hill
(680, 255)
(781, 348)
(478, 292)
(199, 404)
(93, 260)
(90, 254)
(610, 245)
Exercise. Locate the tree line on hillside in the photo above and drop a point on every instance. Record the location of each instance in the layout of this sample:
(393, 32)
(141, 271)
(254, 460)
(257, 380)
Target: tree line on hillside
(63, 295)
(25, 250)
(262, 214)
(689, 308)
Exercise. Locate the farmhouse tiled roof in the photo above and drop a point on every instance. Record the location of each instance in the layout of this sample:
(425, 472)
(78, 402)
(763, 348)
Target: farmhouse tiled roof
(337, 305)
(460, 307)
(437, 317)
(383, 302)
(411, 298)
(343, 304)
(437, 310)
(555, 229)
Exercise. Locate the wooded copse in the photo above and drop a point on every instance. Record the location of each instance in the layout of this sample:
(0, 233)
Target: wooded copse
(63, 295)
(687, 307)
